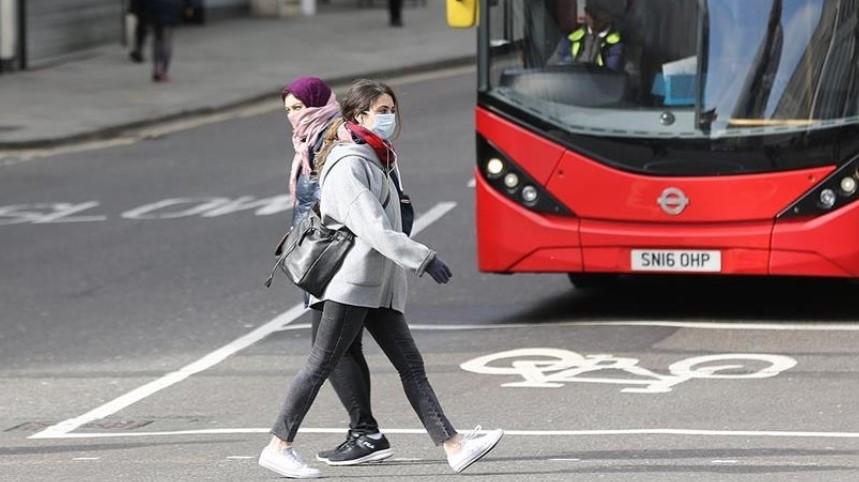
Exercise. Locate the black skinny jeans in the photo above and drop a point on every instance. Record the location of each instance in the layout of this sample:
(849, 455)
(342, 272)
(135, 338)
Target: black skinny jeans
(339, 327)
(351, 382)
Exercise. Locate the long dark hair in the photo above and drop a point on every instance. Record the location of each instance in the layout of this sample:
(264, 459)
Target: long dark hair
(356, 101)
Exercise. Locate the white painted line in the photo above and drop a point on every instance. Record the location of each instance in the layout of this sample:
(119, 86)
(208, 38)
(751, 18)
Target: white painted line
(431, 216)
(524, 433)
(723, 462)
(240, 457)
(212, 359)
(565, 460)
(82, 459)
(666, 324)
(204, 363)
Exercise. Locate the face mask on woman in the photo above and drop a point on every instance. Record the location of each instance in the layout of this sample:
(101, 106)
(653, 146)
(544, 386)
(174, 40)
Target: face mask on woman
(385, 126)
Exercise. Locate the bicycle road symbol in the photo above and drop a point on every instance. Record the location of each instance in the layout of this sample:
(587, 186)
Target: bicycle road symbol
(552, 368)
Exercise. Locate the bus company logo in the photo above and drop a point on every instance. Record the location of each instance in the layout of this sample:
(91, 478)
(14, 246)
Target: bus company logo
(673, 201)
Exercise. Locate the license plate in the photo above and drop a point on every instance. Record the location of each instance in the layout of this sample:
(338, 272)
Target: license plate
(683, 260)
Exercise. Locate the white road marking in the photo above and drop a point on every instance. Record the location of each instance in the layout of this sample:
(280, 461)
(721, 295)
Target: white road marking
(432, 216)
(553, 367)
(82, 459)
(723, 462)
(565, 460)
(150, 388)
(42, 213)
(522, 433)
(278, 323)
(644, 323)
(667, 324)
(206, 207)
(240, 457)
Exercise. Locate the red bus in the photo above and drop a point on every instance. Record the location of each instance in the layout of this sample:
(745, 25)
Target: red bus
(725, 140)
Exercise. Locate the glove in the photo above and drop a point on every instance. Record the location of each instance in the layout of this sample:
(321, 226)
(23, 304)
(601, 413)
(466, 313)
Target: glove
(439, 271)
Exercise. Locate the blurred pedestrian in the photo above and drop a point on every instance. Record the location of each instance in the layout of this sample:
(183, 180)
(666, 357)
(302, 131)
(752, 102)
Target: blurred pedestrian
(369, 290)
(162, 16)
(395, 11)
(135, 7)
(314, 113)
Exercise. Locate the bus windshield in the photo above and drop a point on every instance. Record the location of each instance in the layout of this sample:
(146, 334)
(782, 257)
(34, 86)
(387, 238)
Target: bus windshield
(676, 68)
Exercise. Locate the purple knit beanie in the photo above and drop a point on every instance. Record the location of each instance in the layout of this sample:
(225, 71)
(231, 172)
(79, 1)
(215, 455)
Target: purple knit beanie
(310, 90)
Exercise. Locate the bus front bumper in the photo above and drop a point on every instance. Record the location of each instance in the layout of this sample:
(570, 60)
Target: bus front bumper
(513, 239)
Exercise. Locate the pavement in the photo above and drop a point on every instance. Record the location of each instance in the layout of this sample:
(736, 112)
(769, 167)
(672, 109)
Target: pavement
(221, 65)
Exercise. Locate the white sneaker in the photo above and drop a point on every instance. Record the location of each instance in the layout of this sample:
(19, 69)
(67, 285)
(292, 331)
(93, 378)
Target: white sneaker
(286, 462)
(474, 446)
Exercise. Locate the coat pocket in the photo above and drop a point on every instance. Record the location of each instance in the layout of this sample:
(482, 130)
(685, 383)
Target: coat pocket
(363, 266)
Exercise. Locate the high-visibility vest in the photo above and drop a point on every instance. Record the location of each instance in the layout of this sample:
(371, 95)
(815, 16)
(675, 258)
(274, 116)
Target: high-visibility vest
(577, 40)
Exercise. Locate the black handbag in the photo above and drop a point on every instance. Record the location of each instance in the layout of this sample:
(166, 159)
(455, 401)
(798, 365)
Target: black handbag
(311, 253)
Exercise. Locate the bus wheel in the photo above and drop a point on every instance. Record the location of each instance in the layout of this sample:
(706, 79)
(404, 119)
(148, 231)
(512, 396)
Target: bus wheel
(592, 280)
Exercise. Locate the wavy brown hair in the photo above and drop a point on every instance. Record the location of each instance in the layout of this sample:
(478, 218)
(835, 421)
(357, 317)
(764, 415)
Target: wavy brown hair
(356, 101)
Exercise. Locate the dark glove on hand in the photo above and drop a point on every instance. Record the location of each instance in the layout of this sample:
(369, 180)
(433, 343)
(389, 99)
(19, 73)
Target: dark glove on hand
(439, 271)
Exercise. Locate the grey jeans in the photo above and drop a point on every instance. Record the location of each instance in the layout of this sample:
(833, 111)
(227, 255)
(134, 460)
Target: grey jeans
(338, 328)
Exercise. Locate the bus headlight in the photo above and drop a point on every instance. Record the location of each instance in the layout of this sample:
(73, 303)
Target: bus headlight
(828, 198)
(503, 176)
(529, 194)
(834, 192)
(495, 167)
(848, 185)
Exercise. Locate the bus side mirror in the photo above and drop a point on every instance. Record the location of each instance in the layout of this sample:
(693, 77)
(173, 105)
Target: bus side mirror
(462, 13)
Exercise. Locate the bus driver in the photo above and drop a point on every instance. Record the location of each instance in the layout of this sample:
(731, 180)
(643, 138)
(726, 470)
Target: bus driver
(598, 42)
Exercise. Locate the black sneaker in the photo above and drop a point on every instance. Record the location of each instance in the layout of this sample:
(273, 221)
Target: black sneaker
(357, 449)
(324, 455)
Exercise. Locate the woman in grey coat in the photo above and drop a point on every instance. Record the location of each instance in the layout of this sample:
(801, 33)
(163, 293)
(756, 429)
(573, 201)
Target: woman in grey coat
(314, 113)
(369, 290)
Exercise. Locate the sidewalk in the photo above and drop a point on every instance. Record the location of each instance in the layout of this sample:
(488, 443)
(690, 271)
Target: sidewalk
(218, 66)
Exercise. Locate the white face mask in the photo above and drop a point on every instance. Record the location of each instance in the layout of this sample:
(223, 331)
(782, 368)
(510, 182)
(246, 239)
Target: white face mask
(386, 125)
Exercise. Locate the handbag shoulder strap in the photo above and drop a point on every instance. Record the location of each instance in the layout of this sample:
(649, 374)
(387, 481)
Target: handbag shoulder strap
(386, 186)
(366, 173)
(398, 183)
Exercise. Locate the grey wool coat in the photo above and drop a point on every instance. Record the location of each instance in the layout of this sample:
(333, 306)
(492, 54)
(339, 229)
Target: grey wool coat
(373, 274)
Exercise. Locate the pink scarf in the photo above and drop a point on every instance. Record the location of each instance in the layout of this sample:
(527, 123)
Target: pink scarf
(307, 125)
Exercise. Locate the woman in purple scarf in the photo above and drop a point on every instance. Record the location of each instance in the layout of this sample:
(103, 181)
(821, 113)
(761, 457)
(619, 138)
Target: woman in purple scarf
(314, 113)
(311, 108)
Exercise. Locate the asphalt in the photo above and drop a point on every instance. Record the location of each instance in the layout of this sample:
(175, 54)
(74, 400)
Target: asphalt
(219, 66)
(100, 302)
